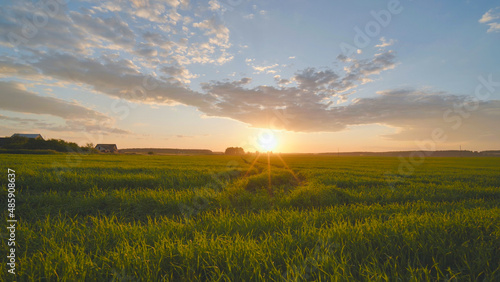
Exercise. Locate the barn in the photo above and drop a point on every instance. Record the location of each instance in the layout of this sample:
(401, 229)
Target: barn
(107, 148)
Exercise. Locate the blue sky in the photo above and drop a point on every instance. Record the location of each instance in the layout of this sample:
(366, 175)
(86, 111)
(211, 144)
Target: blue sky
(316, 75)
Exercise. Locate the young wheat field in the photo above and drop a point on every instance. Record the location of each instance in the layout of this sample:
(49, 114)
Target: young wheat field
(220, 218)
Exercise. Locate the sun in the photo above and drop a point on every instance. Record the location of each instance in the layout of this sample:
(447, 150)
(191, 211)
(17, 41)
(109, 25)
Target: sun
(267, 141)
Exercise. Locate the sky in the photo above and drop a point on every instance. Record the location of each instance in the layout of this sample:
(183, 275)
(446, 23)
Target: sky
(292, 76)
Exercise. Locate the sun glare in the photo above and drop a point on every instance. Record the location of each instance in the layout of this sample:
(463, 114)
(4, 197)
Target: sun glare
(268, 141)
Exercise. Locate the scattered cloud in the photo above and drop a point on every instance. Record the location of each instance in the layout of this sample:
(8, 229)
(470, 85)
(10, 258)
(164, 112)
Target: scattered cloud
(384, 43)
(266, 69)
(491, 15)
(112, 29)
(491, 18)
(59, 33)
(108, 26)
(178, 73)
(214, 5)
(494, 27)
(219, 31)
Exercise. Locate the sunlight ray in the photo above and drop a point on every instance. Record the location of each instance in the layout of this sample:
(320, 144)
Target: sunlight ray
(253, 163)
(269, 190)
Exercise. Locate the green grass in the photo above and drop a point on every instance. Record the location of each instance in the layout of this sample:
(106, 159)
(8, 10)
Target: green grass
(191, 218)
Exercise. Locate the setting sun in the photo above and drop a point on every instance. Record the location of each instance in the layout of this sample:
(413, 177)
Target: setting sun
(267, 141)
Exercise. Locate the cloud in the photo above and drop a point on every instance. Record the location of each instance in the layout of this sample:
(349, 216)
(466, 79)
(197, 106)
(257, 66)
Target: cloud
(490, 16)
(214, 5)
(266, 69)
(416, 113)
(360, 69)
(58, 31)
(310, 101)
(85, 126)
(94, 30)
(9, 68)
(309, 106)
(112, 29)
(315, 89)
(179, 73)
(211, 27)
(494, 27)
(121, 79)
(314, 80)
(77, 118)
(16, 98)
(109, 6)
(312, 105)
(146, 50)
(16, 119)
(384, 43)
(328, 82)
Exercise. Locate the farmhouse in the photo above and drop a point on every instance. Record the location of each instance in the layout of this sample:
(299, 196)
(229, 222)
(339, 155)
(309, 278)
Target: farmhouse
(31, 136)
(106, 148)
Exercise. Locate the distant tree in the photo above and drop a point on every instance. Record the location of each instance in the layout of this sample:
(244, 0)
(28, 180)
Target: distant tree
(90, 148)
(58, 145)
(151, 153)
(235, 151)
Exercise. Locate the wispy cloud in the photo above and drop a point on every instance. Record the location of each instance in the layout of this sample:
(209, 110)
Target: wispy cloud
(266, 69)
(16, 119)
(490, 18)
(384, 43)
(76, 118)
(491, 15)
(16, 98)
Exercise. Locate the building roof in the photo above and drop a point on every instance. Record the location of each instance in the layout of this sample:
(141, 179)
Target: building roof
(34, 136)
(106, 146)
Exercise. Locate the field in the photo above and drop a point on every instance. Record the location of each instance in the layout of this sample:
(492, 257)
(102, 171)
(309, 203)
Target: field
(211, 218)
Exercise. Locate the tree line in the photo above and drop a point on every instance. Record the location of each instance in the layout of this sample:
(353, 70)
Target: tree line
(58, 145)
